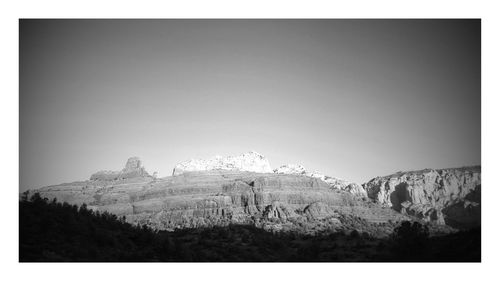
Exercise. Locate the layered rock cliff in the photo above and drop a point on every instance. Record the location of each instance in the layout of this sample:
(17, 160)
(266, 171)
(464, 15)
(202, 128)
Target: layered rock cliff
(244, 189)
(444, 196)
(277, 202)
(294, 169)
(249, 162)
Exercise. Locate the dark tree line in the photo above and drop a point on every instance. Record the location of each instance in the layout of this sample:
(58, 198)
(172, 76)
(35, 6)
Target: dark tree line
(54, 231)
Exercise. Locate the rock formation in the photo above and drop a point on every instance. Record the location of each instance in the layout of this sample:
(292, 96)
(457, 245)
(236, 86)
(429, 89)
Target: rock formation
(133, 169)
(245, 190)
(294, 169)
(249, 162)
(446, 196)
(277, 202)
(291, 169)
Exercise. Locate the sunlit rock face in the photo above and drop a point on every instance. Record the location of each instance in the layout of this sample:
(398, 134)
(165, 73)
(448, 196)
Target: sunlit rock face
(277, 202)
(291, 169)
(249, 162)
(445, 196)
(340, 184)
(287, 199)
(133, 169)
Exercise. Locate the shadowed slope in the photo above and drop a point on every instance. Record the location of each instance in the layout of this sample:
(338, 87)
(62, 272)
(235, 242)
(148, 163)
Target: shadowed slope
(62, 232)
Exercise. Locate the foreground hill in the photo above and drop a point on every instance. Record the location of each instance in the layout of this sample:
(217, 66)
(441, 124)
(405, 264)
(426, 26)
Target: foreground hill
(52, 231)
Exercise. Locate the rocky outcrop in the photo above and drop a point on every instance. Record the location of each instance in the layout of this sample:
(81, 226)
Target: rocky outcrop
(340, 184)
(446, 196)
(318, 210)
(278, 210)
(133, 169)
(249, 162)
(355, 189)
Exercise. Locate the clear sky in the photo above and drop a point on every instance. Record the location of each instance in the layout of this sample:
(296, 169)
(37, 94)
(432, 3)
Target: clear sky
(353, 99)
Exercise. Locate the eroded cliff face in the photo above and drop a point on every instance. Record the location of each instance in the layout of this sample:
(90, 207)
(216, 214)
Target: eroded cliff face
(445, 196)
(277, 202)
(289, 198)
(340, 184)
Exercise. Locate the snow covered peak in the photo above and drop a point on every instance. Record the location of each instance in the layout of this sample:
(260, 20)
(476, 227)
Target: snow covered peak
(250, 161)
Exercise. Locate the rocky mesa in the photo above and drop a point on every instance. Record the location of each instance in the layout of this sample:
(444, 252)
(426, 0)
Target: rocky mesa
(245, 190)
(223, 194)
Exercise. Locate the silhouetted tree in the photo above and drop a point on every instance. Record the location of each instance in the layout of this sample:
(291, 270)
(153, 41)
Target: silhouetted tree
(411, 239)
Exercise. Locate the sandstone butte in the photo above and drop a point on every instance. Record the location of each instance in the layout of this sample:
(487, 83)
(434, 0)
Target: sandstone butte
(245, 190)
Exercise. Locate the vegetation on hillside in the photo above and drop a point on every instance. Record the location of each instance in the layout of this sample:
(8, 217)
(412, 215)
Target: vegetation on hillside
(54, 231)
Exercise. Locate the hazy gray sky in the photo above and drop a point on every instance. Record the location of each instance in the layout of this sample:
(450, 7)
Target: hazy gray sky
(353, 99)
